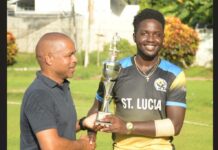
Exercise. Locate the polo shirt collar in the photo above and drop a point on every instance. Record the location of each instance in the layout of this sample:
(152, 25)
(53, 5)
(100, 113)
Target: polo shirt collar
(51, 83)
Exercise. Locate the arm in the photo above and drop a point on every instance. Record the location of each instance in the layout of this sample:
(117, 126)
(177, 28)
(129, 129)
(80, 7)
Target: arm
(41, 115)
(155, 128)
(50, 140)
(177, 115)
(95, 107)
(148, 128)
(86, 122)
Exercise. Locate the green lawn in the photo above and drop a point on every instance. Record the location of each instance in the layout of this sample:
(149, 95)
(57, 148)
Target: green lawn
(197, 132)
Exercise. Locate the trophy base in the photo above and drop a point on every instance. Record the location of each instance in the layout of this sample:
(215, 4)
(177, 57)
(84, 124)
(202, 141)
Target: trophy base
(100, 116)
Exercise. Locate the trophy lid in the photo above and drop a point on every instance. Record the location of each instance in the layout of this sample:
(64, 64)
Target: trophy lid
(113, 46)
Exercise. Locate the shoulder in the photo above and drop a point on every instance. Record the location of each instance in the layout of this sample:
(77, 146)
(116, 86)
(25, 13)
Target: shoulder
(36, 87)
(126, 62)
(37, 99)
(170, 67)
(38, 95)
(37, 92)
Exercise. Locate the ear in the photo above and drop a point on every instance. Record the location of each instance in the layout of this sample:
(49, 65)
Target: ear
(134, 38)
(48, 59)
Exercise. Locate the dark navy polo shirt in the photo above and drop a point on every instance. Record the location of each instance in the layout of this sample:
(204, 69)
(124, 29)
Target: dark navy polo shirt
(46, 105)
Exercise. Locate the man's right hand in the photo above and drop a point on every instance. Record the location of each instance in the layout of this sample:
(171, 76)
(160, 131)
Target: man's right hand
(49, 139)
(92, 136)
(86, 144)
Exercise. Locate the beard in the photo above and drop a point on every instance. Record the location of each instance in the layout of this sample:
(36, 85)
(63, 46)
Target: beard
(147, 56)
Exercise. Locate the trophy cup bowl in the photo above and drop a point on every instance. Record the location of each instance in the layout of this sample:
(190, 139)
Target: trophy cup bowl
(110, 73)
(111, 69)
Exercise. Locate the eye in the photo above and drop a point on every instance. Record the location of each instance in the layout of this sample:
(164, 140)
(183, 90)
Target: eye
(144, 33)
(158, 34)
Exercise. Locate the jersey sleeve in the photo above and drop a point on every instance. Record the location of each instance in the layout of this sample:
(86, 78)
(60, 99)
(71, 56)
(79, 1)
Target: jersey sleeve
(40, 111)
(177, 92)
(100, 92)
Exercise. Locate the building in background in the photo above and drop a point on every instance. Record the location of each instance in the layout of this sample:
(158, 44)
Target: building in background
(28, 20)
(90, 27)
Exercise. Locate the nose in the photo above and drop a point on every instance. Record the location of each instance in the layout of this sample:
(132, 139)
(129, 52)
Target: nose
(150, 38)
(74, 59)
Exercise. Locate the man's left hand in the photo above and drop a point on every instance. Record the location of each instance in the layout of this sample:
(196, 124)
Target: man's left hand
(117, 125)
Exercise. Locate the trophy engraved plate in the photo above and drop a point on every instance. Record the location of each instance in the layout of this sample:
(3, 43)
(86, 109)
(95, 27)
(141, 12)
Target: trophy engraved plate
(110, 72)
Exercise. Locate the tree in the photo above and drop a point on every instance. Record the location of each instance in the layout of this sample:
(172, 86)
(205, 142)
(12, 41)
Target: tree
(11, 49)
(180, 43)
(132, 2)
(191, 12)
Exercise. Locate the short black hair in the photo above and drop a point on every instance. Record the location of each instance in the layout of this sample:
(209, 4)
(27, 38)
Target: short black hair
(148, 13)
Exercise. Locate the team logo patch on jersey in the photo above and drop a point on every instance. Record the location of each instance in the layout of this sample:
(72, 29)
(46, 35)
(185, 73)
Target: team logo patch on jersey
(160, 84)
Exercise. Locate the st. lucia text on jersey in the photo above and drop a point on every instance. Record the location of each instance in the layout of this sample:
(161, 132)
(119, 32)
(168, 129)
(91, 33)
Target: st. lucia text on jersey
(141, 103)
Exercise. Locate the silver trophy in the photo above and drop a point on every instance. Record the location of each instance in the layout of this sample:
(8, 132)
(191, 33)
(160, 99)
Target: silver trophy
(111, 70)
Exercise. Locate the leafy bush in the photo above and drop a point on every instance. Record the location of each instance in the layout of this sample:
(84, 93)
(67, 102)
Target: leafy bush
(95, 57)
(11, 49)
(191, 12)
(180, 42)
(126, 49)
(179, 46)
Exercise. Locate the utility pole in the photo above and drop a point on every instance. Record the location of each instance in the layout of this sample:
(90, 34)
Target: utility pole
(73, 15)
(90, 22)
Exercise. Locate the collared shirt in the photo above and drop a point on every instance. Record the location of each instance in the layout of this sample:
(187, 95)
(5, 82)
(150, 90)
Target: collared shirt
(46, 105)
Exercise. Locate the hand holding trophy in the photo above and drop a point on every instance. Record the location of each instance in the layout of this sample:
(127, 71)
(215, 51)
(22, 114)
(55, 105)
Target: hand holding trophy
(111, 69)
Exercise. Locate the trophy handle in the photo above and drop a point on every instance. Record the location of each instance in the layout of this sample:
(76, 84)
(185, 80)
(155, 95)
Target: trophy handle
(105, 106)
(108, 86)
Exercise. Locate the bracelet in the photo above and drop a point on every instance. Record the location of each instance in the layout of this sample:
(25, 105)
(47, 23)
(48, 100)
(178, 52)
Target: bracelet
(81, 123)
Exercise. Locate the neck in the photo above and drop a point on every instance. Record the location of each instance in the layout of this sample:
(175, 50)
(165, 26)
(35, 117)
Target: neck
(146, 57)
(146, 65)
(52, 77)
(146, 62)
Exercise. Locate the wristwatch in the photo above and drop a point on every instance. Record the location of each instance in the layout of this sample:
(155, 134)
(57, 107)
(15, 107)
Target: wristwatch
(129, 127)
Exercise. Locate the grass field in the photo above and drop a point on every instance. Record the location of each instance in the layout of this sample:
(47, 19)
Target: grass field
(197, 132)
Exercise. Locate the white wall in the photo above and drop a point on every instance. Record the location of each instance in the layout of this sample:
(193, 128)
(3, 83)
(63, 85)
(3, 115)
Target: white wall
(105, 25)
(44, 6)
(204, 55)
(100, 7)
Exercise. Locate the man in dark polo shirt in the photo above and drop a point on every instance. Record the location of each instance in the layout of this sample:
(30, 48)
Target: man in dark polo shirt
(48, 117)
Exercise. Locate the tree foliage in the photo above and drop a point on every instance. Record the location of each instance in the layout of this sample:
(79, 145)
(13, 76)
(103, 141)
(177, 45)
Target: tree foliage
(180, 43)
(11, 49)
(191, 12)
(125, 48)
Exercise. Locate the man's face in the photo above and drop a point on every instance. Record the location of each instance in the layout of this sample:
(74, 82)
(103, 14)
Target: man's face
(149, 38)
(64, 59)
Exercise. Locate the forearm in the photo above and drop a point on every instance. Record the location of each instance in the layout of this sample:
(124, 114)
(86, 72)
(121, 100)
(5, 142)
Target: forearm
(80, 124)
(153, 128)
(86, 122)
(95, 107)
(143, 128)
(156, 128)
(170, 126)
(77, 126)
(50, 140)
(65, 144)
